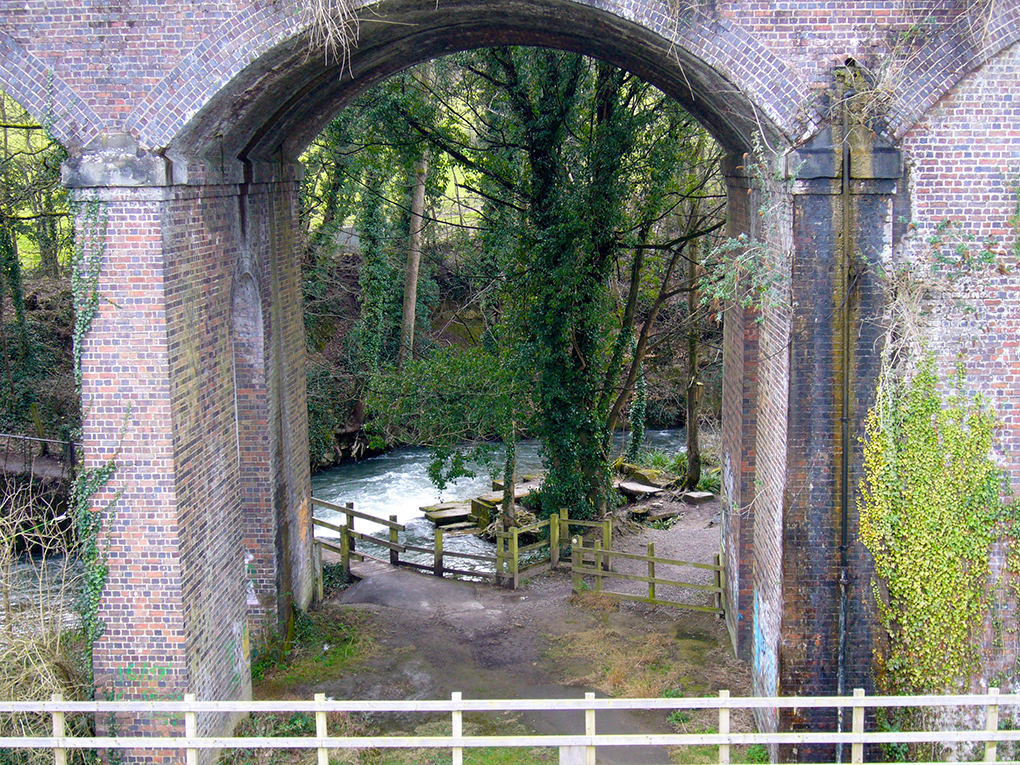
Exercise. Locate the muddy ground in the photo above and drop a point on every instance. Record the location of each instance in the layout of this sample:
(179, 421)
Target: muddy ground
(424, 638)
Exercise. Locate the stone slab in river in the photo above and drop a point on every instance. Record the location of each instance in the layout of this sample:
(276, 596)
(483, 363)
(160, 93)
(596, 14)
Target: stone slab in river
(633, 489)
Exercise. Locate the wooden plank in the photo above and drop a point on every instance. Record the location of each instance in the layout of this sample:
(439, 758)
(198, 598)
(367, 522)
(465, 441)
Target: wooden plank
(377, 541)
(660, 602)
(650, 580)
(356, 514)
(327, 525)
(667, 561)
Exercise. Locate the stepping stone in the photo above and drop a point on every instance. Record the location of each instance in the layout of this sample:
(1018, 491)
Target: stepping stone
(460, 513)
(634, 490)
(697, 497)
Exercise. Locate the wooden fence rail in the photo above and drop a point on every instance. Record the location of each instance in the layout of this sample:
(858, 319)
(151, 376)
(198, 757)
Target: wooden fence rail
(575, 747)
(602, 569)
(509, 562)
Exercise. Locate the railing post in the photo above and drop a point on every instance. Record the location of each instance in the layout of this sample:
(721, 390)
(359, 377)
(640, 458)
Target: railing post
(394, 539)
(607, 542)
(718, 583)
(59, 753)
(589, 730)
(554, 540)
(857, 750)
(515, 571)
(437, 557)
(350, 526)
(321, 728)
(991, 725)
(724, 726)
(598, 566)
(190, 729)
(575, 563)
(651, 571)
(457, 730)
(317, 558)
(500, 559)
(345, 551)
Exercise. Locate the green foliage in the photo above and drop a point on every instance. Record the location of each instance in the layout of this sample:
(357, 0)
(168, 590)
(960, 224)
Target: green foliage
(637, 418)
(440, 399)
(85, 268)
(752, 271)
(931, 508)
(332, 393)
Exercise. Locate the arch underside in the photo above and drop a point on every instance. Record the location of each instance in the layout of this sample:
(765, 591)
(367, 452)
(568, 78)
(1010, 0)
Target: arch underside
(277, 104)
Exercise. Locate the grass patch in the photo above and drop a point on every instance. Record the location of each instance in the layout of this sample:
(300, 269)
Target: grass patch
(490, 725)
(325, 643)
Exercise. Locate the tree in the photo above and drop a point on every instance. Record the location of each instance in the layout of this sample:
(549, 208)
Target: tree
(587, 188)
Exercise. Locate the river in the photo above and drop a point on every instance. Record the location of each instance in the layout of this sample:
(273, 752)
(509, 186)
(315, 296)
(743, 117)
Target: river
(396, 483)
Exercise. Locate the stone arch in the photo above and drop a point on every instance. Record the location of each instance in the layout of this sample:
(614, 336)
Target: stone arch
(254, 91)
(956, 52)
(45, 96)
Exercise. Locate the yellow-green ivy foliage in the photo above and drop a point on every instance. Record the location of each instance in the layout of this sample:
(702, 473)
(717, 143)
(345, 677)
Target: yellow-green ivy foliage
(931, 503)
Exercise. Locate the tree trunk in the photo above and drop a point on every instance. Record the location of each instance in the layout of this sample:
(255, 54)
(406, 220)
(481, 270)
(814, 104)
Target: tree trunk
(694, 386)
(406, 349)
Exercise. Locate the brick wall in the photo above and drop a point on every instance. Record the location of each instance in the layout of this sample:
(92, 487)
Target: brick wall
(964, 160)
(739, 413)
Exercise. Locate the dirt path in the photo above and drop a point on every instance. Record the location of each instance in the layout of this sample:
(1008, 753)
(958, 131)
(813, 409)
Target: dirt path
(433, 637)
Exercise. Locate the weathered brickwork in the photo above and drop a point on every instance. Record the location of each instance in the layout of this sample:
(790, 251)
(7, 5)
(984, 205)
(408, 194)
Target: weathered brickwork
(185, 120)
(740, 397)
(964, 167)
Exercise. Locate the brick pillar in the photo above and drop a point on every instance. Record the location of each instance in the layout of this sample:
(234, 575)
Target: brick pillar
(807, 610)
(740, 407)
(186, 295)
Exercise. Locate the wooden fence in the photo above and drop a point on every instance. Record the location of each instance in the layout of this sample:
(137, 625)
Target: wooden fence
(510, 561)
(602, 569)
(576, 747)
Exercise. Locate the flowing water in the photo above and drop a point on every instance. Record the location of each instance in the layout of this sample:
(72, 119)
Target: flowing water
(397, 483)
(36, 591)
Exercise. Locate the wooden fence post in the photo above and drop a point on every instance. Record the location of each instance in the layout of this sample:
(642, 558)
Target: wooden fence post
(59, 753)
(857, 750)
(598, 566)
(190, 729)
(437, 560)
(320, 586)
(575, 563)
(651, 571)
(350, 525)
(991, 725)
(321, 729)
(500, 559)
(345, 551)
(554, 540)
(718, 583)
(515, 569)
(457, 730)
(394, 554)
(607, 542)
(724, 727)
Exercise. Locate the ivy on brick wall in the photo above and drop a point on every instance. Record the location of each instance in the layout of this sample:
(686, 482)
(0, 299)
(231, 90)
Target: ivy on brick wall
(931, 509)
(90, 246)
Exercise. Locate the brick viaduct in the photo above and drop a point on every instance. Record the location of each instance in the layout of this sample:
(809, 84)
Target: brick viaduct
(184, 120)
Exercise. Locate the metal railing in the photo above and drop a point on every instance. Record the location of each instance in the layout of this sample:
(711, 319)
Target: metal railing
(575, 746)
